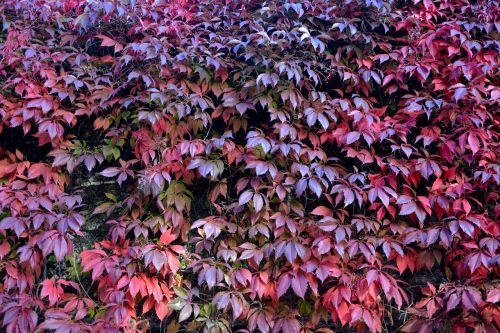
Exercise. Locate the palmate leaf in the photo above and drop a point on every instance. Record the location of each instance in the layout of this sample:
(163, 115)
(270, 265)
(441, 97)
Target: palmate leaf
(277, 166)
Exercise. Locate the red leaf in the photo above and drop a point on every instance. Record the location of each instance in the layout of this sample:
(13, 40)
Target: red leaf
(493, 296)
(299, 285)
(134, 286)
(162, 310)
(284, 283)
(473, 142)
(322, 211)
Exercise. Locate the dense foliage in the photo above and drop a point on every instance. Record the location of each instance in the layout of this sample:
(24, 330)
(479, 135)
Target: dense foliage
(249, 166)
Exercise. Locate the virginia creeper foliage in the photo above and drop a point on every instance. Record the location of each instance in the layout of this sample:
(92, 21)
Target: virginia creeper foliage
(252, 166)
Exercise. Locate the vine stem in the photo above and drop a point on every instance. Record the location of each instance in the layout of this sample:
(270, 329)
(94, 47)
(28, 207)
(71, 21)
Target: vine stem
(78, 278)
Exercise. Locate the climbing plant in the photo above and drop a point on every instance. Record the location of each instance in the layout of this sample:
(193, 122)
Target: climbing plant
(249, 166)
